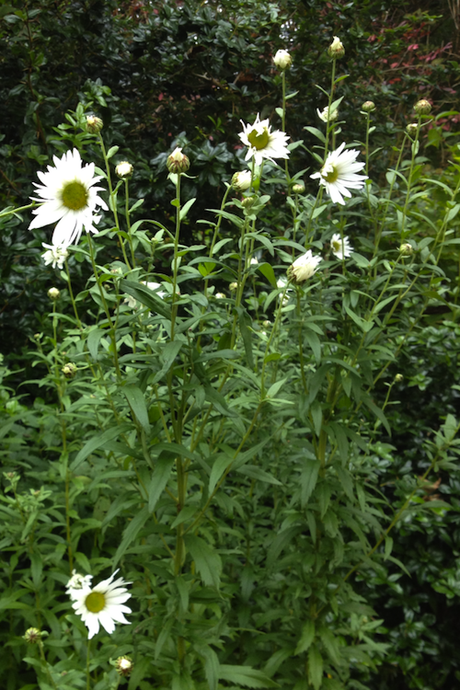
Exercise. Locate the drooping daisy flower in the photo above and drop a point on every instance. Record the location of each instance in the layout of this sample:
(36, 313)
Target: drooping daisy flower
(262, 142)
(341, 248)
(76, 583)
(68, 196)
(327, 116)
(338, 174)
(55, 255)
(102, 604)
(304, 267)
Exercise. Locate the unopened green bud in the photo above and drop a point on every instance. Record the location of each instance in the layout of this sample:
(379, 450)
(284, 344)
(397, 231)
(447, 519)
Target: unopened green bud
(69, 370)
(177, 162)
(298, 188)
(412, 128)
(248, 201)
(406, 249)
(398, 378)
(423, 107)
(32, 635)
(94, 124)
(368, 106)
(233, 287)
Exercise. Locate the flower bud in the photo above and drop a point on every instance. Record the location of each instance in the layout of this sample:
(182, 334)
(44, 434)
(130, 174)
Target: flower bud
(124, 169)
(93, 124)
(32, 635)
(241, 181)
(298, 188)
(336, 49)
(411, 129)
(282, 60)
(406, 249)
(423, 107)
(368, 106)
(177, 162)
(248, 201)
(233, 286)
(53, 293)
(124, 666)
(220, 295)
(69, 370)
(398, 378)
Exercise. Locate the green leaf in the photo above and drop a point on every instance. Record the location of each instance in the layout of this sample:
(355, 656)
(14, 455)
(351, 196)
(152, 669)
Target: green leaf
(316, 133)
(211, 666)
(257, 473)
(98, 442)
(308, 479)
(145, 296)
(112, 151)
(330, 642)
(185, 208)
(131, 533)
(245, 322)
(315, 667)
(207, 560)
(160, 476)
(378, 412)
(268, 272)
(93, 341)
(136, 400)
(220, 466)
(246, 676)
(281, 541)
(306, 638)
(168, 355)
(388, 547)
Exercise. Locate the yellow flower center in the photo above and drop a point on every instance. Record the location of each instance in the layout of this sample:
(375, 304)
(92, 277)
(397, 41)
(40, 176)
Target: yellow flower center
(331, 175)
(336, 246)
(95, 602)
(74, 195)
(258, 141)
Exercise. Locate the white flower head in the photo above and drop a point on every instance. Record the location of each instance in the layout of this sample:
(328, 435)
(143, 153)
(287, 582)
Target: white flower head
(338, 174)
(69, 198)
(102, 604)
(76, 583)
(282, 59)
(341, 248)
(304, 267)
(55, 255)
(325, 116)
(262, 142)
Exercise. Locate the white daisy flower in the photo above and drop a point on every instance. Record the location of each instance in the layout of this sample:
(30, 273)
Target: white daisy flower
(76, 583)
(55, 255)
(102, 604)
(304, 267)
(262, 142)
(341, 248)
(68, 196)
(338, 174)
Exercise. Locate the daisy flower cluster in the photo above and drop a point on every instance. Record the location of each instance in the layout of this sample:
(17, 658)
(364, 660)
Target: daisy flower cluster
(68, 196)
(102, 604)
